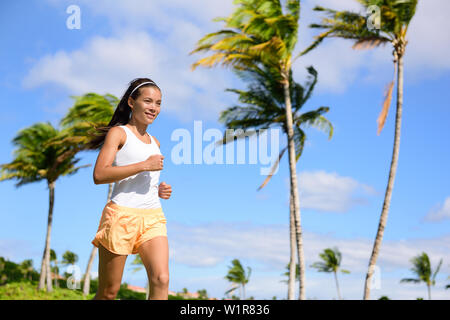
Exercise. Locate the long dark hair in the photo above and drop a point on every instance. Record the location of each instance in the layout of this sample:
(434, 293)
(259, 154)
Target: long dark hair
(122, 113)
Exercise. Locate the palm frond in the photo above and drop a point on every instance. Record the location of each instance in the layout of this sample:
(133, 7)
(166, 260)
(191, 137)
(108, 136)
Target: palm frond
(410, 280)
(436, 271)
(272, 170)
(386, 104)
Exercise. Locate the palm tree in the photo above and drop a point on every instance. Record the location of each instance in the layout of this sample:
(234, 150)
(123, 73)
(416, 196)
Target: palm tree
(331, 262)
(202, 294)
(36, 159)
(54, 268)
(264, 108)
(259, 35)
(89, 111)
(395, 19)
(237, 276)
(286, 274)
(26, 267)
(139, 264)
(69, 257)
(292, 268)
(422, 269)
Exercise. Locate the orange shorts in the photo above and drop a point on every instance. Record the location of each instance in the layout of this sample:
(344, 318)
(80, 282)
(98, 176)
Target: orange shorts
(122, 230)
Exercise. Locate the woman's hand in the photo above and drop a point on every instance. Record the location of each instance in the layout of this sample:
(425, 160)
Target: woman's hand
(153, 163)
(164, 190)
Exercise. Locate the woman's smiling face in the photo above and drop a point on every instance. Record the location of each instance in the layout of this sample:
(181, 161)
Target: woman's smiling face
(147, 106)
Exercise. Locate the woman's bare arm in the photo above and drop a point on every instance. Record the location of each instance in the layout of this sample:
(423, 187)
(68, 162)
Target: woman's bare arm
(104, 172)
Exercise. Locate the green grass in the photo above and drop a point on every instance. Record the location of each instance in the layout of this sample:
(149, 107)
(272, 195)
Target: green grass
(28, 291)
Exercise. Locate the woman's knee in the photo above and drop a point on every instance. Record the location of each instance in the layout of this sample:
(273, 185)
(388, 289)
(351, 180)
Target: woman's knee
(109, 293)
(161, 279)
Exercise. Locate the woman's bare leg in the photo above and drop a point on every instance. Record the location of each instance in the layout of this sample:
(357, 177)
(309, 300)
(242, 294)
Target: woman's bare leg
(110, 271)
(155, 256)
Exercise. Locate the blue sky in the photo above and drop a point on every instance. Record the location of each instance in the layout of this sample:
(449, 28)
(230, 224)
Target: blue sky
(215, 213)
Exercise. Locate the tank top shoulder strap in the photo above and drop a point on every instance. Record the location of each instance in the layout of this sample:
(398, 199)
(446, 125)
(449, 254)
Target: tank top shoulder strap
(154, 142)
(125, 128)
(127, 135)
(133, 136)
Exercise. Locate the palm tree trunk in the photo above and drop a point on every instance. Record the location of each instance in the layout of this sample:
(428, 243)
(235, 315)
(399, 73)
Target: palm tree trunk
(147, 290)
(49, 277)
(337, 285)
(292, 264)
(87, 277)
(293, 183)
(56, 277)
(45, 265)
(43, 273)
(390, 185)
(429, 292)
(243, 291)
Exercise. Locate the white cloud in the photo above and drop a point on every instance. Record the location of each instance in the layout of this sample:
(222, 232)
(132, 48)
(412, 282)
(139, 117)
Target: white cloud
(148, 39)
(339, 66)
(175, 26)
(265, 248)
(206, 245)
(17, 250)
(439, 213)
(107, 65)
(429, 47)
(323, 191)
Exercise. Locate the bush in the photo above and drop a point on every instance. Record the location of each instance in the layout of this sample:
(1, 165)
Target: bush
(13, 272)
(27, 290)
(127, 294)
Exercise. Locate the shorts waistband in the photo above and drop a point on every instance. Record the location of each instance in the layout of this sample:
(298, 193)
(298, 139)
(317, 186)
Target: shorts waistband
(114, 205)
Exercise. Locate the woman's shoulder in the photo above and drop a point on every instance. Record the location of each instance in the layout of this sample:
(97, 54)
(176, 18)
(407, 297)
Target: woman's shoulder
(118, 133)
(156, 140)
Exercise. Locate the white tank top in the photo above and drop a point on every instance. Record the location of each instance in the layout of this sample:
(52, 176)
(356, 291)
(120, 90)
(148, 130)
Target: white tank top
(139, 190)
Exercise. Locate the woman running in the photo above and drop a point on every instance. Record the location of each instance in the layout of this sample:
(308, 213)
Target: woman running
(133, 220)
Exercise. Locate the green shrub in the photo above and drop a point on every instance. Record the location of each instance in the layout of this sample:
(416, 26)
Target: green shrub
(27, 290)
(127, 294)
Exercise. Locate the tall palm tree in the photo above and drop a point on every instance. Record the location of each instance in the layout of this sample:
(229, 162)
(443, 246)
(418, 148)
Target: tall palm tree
(260, 34)
(264, 108)
(331, 262)
(36, 159)
(395, 19)
(422, 269)
(54, 268)
(237, 276)
(89, 111)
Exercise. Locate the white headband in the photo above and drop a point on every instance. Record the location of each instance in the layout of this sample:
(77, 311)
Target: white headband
(148, 82)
